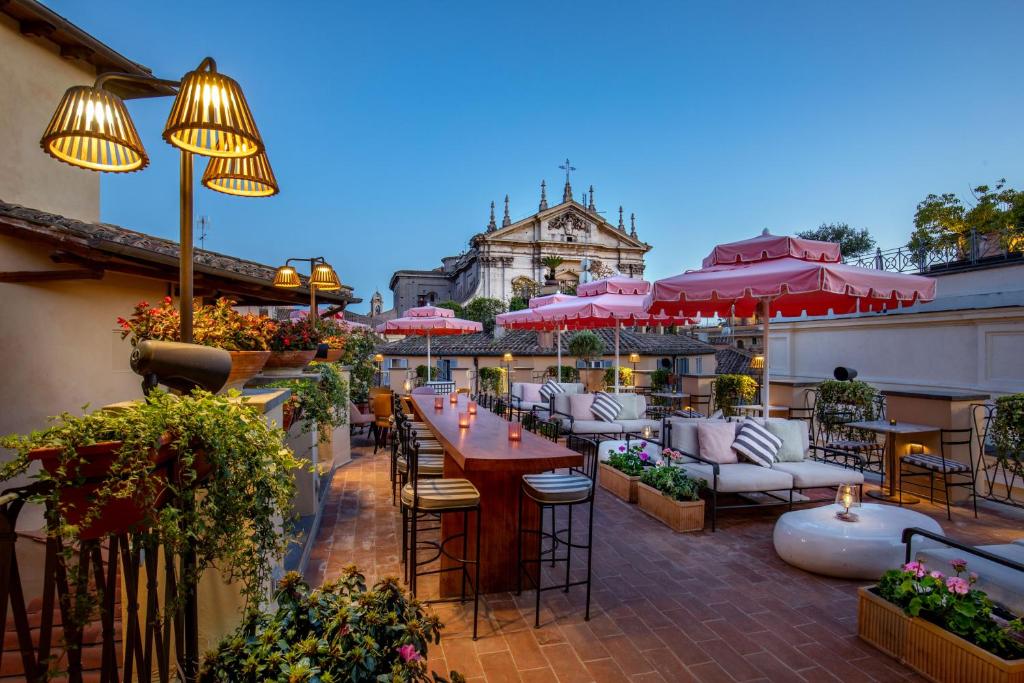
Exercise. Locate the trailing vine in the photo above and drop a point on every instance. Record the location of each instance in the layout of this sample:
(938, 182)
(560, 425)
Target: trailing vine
(323, 404)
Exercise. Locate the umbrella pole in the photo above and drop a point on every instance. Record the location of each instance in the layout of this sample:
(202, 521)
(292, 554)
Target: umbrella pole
(559, 343)
(428, 356)
(618, 326)
(765, 374)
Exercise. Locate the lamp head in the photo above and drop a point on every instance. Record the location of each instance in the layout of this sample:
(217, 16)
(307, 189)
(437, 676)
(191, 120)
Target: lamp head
(323, 277)
(757, 362)
(507, 357)
(634, 358)
(243, 177)
(379, 358)
(211, 117)
(286, 277)
(91, 129)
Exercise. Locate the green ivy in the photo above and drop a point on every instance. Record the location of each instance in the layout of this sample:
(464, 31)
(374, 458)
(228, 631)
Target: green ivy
(358, 357)
(1008, 432)
(569, 373)
(625, 377)
(673, 482)
(731, 390)
(323, 404)
(659, 379)
(338, 633)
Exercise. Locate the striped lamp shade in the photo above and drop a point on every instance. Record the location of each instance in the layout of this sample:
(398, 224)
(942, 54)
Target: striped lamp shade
(286, 277)
(323, 277)
(245, 177)
(92, 129)
(211, 117)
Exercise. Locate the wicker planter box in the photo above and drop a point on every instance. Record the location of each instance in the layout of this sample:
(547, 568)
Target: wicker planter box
(618, 484)
(933, 652)
(678, 515)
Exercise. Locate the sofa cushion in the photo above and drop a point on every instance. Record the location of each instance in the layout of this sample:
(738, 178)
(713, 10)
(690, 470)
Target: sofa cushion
(605, 407)
(741, 477)
(530, 393)
(793, 434)
(580, 406)
(551, 388)
(809, 474)
(755, 443)
(684, 434)
(573, 387)
(715, 441)
(594, 427)
(634, 406)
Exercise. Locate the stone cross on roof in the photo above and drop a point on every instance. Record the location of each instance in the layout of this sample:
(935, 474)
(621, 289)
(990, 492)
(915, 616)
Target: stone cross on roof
(568, 168)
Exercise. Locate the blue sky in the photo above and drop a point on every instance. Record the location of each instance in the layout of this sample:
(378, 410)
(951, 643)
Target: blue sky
(392, 125)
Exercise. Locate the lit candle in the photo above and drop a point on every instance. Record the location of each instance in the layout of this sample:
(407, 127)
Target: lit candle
(647, 431)
(472, 407)
(515, 431)
(453, 398)
(892, 421)
(438, 403)
(464, 420)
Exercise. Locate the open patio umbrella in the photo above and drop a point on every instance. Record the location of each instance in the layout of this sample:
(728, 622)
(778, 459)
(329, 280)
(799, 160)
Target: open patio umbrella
(429, 320)
(771, 275)
(525, 320)
(608, 302)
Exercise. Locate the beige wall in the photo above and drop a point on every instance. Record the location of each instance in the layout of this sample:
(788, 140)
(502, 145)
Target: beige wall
(61, 345)
(33, 77)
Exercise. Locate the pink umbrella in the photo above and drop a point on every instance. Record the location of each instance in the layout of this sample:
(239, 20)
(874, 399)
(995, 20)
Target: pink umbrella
(525, 320)
(772, 275)
(429, 320)
(608, 302)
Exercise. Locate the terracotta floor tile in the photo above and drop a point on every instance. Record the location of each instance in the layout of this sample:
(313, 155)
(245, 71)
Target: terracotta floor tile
(499, 668)
(566, 664)
(605, 670)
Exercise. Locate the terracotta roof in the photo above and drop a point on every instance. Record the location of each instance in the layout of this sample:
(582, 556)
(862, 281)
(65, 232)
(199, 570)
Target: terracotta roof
(525, 343)
(102, 246)
(732, 361)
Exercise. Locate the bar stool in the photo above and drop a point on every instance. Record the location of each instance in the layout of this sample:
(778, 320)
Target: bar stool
(440, 496)
(558, 490)
(431, 460)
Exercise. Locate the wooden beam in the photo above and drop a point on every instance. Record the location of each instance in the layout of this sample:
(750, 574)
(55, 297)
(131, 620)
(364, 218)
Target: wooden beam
(50, 275)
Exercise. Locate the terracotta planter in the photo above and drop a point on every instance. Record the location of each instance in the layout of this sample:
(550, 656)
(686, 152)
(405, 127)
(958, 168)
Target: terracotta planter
(117, 515)
(244, 366)
(678, 515)
(334, 355)
(618, 484)
(290, 412)
(283, 362)
(931, 651)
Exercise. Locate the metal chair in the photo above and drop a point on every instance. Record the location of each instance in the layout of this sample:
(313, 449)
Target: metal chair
(382, 412)
(954, 472)
(553, 490)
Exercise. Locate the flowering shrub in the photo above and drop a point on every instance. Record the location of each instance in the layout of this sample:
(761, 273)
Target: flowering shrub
(630, 461)
(218, 325)
(339, 632)
(303, 334)
(673, 482)
(951, 601)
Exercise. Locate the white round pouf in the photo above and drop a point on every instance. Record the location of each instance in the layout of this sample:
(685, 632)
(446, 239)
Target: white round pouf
(815, 540)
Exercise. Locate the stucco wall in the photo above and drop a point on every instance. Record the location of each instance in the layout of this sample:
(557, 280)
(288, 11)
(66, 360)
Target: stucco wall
(33, 77)
(61, 345)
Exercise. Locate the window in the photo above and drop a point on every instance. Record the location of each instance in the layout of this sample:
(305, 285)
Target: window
(398, 363)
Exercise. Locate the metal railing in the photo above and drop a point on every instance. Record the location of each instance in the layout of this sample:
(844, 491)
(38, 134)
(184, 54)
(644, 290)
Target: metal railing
(975, 250)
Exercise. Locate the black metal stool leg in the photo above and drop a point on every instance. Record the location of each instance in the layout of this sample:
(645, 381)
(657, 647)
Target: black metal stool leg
(519, 545)
(568, 547)
(590, 554)
(476, 579)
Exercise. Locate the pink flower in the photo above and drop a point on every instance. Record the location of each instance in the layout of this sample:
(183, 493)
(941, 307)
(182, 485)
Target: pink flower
(408, 653)
(957, 585)
(958, 565)
(973, 577)
(622, 449)
(936, 575)
(644, 456)
(916, 568)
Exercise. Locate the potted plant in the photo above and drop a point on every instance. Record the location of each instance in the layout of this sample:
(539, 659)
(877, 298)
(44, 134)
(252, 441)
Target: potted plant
(620, 474)
(552, 263)
(245, 337)
(293, 345)
(568, 373)
(941, 626)
(625, 377)
(732, 390)
(669, 495)
(338, 632)
(322, 404)
(586, 346)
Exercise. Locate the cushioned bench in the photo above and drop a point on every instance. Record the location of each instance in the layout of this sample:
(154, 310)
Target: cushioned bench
(577, 417)
(526, 396)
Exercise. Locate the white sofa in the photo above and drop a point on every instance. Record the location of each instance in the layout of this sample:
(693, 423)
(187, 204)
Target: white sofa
(779, 481)
(523, 391)
(632, 417)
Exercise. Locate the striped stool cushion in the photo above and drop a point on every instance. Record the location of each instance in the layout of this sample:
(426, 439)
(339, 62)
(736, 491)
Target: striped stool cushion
(429, 466)
(848, 445)
(552, 487)
(442, 494)
(934, 463)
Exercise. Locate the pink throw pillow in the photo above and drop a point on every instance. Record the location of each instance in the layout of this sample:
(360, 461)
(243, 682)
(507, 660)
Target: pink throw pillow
(531, 393)
(715, 442)
(580, 407)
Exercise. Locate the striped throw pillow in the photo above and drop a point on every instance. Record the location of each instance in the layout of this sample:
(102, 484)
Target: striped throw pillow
(550, 388)
(605, 407)
(757, 444)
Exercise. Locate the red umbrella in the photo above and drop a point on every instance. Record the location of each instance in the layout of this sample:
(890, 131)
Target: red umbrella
(771, 275)
(429, 320)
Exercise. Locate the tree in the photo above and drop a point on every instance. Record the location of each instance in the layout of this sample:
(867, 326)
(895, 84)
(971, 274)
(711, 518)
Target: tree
(586, 345)
(518, 303)
(945, 222)
(852, 242)
(454, 306)
(552, 263)
(483, 310)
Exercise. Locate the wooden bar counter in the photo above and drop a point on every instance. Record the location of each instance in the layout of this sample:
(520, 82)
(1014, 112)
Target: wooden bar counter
(483, 454)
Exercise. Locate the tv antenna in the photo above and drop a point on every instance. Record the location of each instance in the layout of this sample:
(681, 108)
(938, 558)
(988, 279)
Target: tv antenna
(203, 223)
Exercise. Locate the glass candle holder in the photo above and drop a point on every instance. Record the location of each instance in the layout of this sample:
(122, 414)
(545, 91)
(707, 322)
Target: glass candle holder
(464, 420)
(471, 406)
(515, 431)
(646, 432)
(892, 421)
(453, 398)
(438, 403)
(847, 497)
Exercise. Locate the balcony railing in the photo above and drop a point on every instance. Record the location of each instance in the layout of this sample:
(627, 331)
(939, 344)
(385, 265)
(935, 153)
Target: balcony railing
(976, 250)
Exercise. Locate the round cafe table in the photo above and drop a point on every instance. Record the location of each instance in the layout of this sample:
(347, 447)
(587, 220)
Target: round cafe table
(815, 540)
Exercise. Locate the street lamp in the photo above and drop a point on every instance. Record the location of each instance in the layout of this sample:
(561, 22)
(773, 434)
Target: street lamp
(379, 360)
(210, 116)
(321, 276)
(507, 358)
(634, 358)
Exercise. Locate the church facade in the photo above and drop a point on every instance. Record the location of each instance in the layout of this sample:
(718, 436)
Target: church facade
(515, 258)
